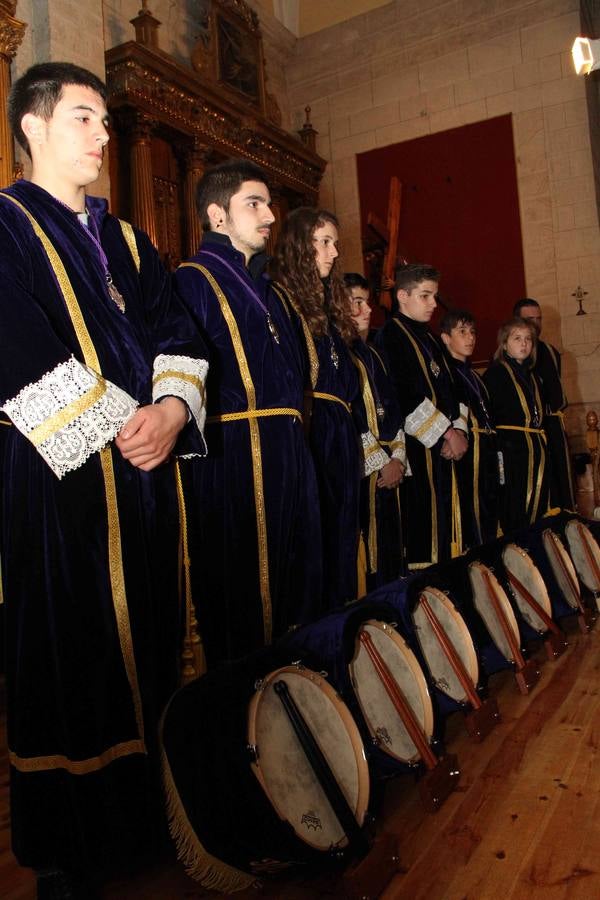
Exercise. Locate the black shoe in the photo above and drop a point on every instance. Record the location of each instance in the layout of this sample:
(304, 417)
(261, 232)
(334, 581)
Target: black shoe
(56, 884)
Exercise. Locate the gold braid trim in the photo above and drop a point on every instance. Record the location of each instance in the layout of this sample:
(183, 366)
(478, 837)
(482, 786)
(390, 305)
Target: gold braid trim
(319, 395)
(115, 557)
(311, 349)
(192, 657)
(67, 415)
(75, 766)
(527, 430)
(420, 358)
(367, 396)
(200, 865)
(373, 549)
(259, 494)
(253, 414)
(129, 235)
(457, 543)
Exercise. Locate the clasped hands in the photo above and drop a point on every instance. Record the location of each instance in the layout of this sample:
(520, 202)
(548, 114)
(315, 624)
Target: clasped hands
(147, 439)
(455, 444)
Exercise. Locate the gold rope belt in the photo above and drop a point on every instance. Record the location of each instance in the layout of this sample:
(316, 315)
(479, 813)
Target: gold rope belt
(253, 414)
(558, 413)
(485, 430)
(522, 428)
(318, 395)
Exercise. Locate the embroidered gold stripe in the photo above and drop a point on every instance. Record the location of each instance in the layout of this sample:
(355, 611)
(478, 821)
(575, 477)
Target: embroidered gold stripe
(427, 425)
(129, 235)
(521, 428)
(373, 551)
(419, 356)
(255, 447)
(254, 414)
(117, 577)
(182, 376)
(75, 766)
(67, 415)
(311, 349)
(367, 396)
(319, 395)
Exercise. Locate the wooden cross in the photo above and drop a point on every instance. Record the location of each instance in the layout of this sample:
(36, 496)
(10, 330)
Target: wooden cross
(386, 237)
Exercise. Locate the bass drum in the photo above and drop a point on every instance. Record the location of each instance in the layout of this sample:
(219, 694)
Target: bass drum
(563, 568)
(585, 554)
(502, 626)
(382, 719)
(442, 672)
(281, 763)
(376, 673)
(519, 564)
(238, 812)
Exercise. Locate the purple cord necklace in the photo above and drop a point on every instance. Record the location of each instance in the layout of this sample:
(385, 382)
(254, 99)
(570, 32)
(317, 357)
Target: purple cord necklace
(91, 230)
(270, 323)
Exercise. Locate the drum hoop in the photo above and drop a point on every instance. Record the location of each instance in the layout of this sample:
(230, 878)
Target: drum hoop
(544, 599)
(413, 665)
(502, 599)
(584, 534)
(472, 663)
(362, 800)
(550, 538)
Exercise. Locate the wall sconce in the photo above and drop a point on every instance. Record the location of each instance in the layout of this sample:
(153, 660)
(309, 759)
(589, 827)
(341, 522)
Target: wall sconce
(586, 55)
(579, 295)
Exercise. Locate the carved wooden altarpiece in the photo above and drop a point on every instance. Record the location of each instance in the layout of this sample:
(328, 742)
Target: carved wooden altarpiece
(172, 121)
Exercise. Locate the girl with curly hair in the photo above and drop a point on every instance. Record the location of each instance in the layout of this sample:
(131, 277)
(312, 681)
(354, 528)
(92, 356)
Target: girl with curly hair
(305, 267)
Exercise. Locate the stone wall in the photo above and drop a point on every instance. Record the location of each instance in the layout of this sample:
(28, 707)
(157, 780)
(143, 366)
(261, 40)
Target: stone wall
(417, 67)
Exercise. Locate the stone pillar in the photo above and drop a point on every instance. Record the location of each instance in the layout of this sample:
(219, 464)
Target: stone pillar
(194, 159)
(142, 188)
(11, 35)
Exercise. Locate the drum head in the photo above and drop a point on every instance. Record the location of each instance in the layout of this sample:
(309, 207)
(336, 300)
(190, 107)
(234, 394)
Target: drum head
(562, 567)
(480, 577)
(518, 562)
(381, 716)
(282, 767)
(456, 631)
(585, 553)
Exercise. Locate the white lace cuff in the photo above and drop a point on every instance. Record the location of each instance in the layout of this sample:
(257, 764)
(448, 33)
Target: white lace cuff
(426, 423)
(183, 377)
(69, 414)
(398, 447)
(463, 420)
(374, 456)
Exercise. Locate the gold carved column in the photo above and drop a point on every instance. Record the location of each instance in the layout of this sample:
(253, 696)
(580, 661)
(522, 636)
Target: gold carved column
(11, 35)
(142, 185)
(194, 160)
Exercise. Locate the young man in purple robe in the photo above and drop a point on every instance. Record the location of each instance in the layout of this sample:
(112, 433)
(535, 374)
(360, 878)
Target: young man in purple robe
(252, 503)
(101, 375)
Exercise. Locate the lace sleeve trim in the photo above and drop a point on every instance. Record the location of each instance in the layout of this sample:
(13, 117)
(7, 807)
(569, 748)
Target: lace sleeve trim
(70, 414)
(374, 456)
(426, 423)
(183, 377)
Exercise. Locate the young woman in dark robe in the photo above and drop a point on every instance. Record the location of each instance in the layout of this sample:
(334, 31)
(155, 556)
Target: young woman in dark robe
(517, 409)
(305, 267)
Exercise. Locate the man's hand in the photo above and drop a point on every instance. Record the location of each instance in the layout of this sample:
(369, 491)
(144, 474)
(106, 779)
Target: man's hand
(455, 444)
(148, 438)
(391, 475)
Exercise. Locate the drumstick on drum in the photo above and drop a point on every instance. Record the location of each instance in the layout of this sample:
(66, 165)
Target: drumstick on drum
(484, 715)
(357, 841)
(443, 774)
(554, 639)
(526, 674)
(562, 565)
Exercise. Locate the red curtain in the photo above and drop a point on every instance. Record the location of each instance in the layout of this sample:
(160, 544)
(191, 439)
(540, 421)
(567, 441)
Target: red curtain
(459, 212)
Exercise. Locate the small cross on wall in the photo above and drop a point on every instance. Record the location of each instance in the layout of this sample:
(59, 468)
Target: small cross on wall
(579, 295)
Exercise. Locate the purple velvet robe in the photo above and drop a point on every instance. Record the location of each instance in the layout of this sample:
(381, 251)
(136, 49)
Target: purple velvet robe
(88, 541)
(252, 503)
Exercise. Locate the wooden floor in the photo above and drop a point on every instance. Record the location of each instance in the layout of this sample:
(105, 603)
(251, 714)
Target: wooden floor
(523, 825)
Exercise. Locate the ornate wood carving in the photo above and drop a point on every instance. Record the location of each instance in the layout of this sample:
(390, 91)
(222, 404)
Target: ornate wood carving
(11, 35)
(199, 117)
